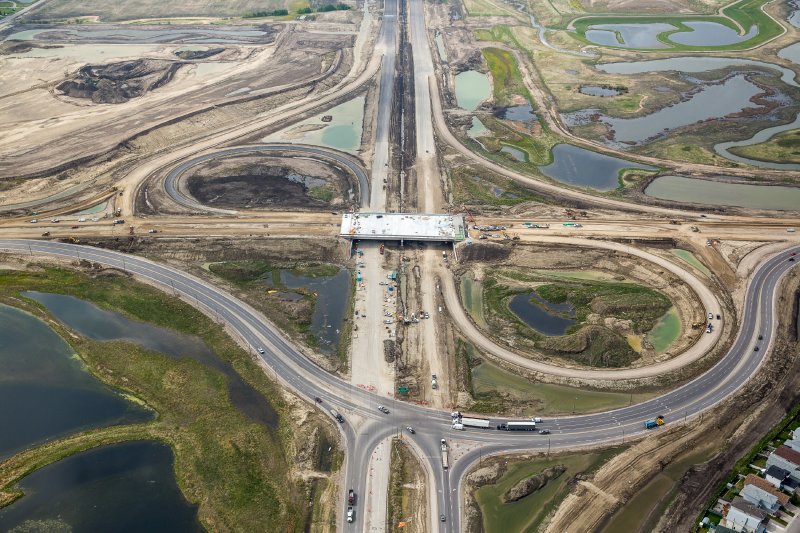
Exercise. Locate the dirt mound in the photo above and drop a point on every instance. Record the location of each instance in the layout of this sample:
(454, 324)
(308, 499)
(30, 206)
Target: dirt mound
(591, 345)
(20, 47)
(484, 252)
(529, 485)
(116, 83)
(198, 54)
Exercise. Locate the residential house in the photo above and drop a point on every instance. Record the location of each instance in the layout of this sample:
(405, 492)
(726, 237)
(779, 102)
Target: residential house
(745, 517)
(760, 492)
(793, 444)
(786, 458)
(776, 476)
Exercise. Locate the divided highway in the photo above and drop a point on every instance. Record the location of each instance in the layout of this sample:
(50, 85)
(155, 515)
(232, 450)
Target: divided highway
(302, 376)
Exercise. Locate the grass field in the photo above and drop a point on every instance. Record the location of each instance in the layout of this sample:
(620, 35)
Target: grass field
(234, 468)
(497, 390)
(528, 513)
(784, 148)
(480, 187)
(150, 9)
(506, 77)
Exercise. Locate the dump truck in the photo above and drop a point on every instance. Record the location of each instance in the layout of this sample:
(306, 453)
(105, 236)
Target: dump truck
(654, 422)
(445, 462)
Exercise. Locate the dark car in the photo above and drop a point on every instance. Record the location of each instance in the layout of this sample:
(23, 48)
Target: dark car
(761, 337)
(755, 349)
(544, 432)
(442, 518)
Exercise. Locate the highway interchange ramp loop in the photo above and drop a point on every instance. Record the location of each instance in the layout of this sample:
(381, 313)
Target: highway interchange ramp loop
(172, 180)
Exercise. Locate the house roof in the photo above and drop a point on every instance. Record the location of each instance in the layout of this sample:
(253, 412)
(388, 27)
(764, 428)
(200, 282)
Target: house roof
(789, 454)
(777, 472)
(767, 487)
(748, 508)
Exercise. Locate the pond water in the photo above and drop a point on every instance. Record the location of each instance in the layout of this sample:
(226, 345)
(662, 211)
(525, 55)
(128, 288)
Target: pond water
(633, 35)
(95, 209)
(690, 258)
(790, 53)
(681, 189)
(164, 34)
(794, 13)
(578, 166)
(693, 64)
(95, 323)
(126, 487)
(477, 129)
(666, 330)
(545, 317)
(440, 47)
(516, 153)
(518, 113)
(705, 33)
(343, 132)
(332, 293)
(46, 391)
(713, 101)
(598, 90)
(472, 88)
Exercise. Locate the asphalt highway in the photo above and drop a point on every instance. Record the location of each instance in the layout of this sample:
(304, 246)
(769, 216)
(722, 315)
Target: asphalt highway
(302, 376)
(351, 163)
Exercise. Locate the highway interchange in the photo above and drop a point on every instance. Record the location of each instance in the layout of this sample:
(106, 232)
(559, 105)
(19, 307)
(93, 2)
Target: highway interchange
(365, 427)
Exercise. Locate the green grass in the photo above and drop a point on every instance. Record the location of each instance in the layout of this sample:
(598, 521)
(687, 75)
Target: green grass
(783, 148)
(690, 258)
(745, 12)
(497, 390)
(528, 513)
(480, 187)
(506, 77)
(235, 469)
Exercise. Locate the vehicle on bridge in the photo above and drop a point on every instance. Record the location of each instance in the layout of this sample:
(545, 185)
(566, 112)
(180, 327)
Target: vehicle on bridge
(654, 422)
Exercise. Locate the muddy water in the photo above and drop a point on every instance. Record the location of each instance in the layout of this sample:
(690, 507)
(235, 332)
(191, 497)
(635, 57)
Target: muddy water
(666, 331)
(578, 166)
(472, 88)
(98, 324)
(329, 313)
(517, 113)
(545, 317)
(90, 53)
(46, 391)
(681, 189)
(123, 487)
(477, 129)
(764, 135)
(343, 132)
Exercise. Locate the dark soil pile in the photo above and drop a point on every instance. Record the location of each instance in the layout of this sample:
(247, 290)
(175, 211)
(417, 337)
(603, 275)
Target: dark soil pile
(198, 54)
(116, 83)
(529, 485)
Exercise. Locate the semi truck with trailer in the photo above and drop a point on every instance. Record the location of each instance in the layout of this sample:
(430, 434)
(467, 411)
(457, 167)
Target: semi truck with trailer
(475, 422)
(445, 460)
(335, 414)
(526, 425)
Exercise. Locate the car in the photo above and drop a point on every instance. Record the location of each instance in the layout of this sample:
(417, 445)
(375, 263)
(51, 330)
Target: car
(761, 337)
(388, 321)
(74, 227)
(536, 419)
(383, 409)
(318, 399)
(792, 254)
(544, 432)
(350, 513)
(46, 234)
(351, 497)
(152, 231)
(261, 351)
(711, 316)
(95, 219)
(791, 259)
(410, 429)
(55, 221)
(708, 243)
(442, 518)
(755, 349)
(34, 221)
(719, 317)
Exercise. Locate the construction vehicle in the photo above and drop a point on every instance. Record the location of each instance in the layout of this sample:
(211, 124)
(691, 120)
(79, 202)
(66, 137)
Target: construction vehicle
(46, 234)
(654, 422)
(445, 459)
(130, 230)
(382, 247)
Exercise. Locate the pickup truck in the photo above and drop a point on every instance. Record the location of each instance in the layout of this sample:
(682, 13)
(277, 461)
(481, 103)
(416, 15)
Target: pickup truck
(350, 513)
